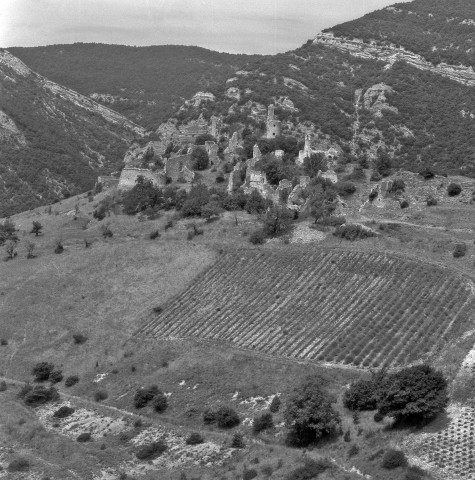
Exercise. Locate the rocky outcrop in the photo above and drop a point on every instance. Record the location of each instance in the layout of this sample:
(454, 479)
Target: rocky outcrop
(391, 54)
(375, 99)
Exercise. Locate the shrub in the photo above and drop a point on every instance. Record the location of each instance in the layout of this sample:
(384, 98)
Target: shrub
(354, 450)
(347, 436)
(414, 473)
(194, 439)
(394, 459)
(106, 231)
(84, 437)
(100, 395)
(460, 250)
(42, 371)
(331, 221)
(376, 177)
(427, 174)
(398, 186)
(158, 309)
(63, 412)
(353, 232)
(71, 380)
(345, 189)
(263, 422)
(257, 237)
(144, 395)
(373, 195)
(24, 390)
(362, 395)
(151, 451)
(431, 201)
(209, 416)
(226, 417)
(56, 376)
(404, 204)
(378, 417)
(3, 386)
(249, 474)
(155, 234)
(310, 470)
(160, 402)
(3, 342)
(79, 338)
(275, 404)
(59, 248)
(238, 441)
(19, 465)
(40, 395)
(454, 189)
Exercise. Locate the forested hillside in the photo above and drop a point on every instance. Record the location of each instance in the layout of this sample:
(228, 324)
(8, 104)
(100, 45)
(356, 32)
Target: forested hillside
(53, 142)
(144, 83)
(439, 30)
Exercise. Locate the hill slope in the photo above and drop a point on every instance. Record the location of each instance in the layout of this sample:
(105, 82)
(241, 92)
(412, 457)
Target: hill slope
(53, 141)
(144, 83)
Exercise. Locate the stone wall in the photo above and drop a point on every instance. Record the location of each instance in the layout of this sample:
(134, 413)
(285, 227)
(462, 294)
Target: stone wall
(108, 182)
(174, 166)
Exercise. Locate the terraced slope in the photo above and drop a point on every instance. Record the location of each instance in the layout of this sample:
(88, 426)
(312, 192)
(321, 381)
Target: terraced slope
(342, 307)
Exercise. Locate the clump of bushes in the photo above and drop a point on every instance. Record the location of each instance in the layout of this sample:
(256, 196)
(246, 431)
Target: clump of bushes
(64, 412)
(71, 380)
(155, 234)
(427, 174)
(160, 402)
(249, 473)
(460, 250)
(345, 189)
(431, 201)
(275, 404)
(331, 221)
(42, 370)
(398, 186)
(454, 189)
(151, 451)
(39, 395)
(257, 237)
(238, 441)
(19, 465)
(84, 437)
(353, 232)
(224, 417)
(56, 376)
(311, 469)
(263, 422)
(194, 439)
(79, 338)
(145, 395)
(394, 459)
(100, 395)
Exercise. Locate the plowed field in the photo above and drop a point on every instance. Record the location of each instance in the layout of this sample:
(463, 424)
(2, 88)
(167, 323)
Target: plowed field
(342, 307)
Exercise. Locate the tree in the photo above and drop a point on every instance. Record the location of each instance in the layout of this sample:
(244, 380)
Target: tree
(383, 163)
(309, 414)
(42, 371)
(10, 250)
(8, 232)
(256, 203)
(317, 162)
(199, 159)
(277, 220)
(143, 195)
(30, 248)
(415, 394)
(37, 227)
(198, 197)
(211, 209)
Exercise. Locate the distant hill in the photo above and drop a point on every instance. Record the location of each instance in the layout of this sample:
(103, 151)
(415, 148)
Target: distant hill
(439, 30)
(53, 141)
(144, 83)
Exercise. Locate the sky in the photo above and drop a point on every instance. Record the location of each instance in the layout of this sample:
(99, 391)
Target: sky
(235, 26)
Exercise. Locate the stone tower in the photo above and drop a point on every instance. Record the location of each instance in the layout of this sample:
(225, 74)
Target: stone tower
(214, 126)
(274, 127)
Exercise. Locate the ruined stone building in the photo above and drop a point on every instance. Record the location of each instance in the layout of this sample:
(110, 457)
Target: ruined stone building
(273, 126)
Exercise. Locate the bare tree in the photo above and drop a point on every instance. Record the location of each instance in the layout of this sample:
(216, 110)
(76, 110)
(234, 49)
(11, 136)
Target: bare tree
(30, 247)
(37, 227)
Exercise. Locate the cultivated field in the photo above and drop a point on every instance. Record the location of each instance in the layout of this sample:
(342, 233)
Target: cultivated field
(336, 306)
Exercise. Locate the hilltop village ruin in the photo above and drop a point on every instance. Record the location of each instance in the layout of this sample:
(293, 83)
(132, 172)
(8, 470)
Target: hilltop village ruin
(161, 166)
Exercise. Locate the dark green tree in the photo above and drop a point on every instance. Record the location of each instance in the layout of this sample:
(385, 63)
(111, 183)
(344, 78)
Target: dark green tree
(277, 220)
(143, 195)
(199, 159)
(36, 228)
(317, 162)
(309, 414)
